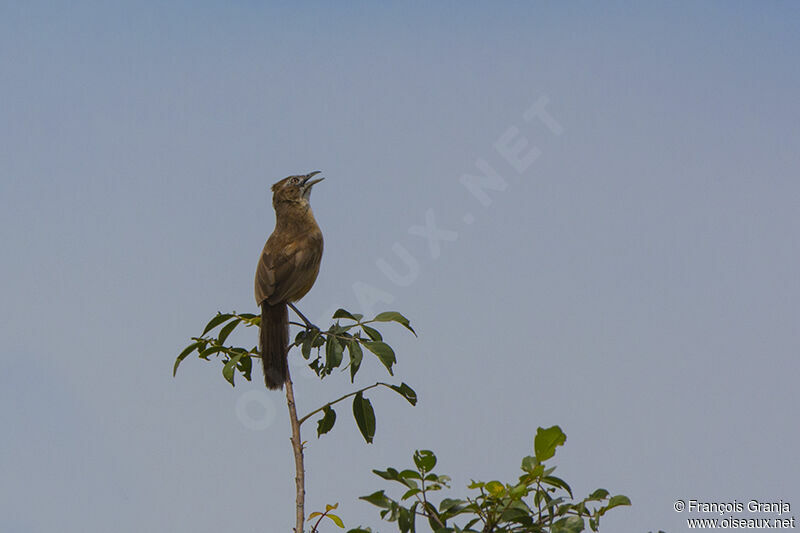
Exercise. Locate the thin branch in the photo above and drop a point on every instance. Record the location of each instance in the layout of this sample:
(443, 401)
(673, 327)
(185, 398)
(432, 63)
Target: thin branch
(426, 505)
(315, 411)
(297, 447)
(478, 509)
(302, 316)
(316, 525)
(539, 504)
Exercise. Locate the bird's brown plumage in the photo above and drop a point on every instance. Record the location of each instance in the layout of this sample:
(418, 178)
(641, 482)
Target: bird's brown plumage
(286, 271)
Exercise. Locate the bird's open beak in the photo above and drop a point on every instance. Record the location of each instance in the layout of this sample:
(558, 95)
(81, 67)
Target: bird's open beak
(308, 183)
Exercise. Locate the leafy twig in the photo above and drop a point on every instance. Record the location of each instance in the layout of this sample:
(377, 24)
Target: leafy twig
(337, 400)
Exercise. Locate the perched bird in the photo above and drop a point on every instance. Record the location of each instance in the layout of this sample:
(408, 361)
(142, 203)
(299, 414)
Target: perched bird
(286, 271)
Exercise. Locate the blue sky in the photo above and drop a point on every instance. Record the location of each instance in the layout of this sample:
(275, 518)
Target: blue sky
(636, 283)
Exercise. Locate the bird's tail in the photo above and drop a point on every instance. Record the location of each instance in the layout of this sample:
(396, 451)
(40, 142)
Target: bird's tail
(274, 342)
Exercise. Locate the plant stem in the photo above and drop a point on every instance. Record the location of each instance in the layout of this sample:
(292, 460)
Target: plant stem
(296, 310)
(337, 400)
(297, 447)
(428, 507)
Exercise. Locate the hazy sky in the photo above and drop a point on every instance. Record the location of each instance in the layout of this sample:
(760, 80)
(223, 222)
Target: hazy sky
(632, 276)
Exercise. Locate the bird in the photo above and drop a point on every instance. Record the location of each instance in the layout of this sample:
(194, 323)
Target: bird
(286, 271)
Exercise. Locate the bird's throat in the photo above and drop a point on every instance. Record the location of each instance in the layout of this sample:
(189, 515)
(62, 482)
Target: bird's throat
(294, 217)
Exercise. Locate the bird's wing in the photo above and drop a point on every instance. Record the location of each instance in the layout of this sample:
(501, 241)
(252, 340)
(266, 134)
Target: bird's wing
(286, 272)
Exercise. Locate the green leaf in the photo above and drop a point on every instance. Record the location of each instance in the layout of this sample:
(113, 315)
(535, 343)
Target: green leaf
(373, 334)
(384, 353)
(308, 341)
(571, 524)
(519, 490)
(448, 504)
(425, 460)
(319, 339)
(356, 356)
(599, 494)
(410, 474)
(557, 482)
(407, 392)
(529, 464)
(495, 488)
(186, 351)
(390, 474)
(211, 351)
(365, 417)
(405, 520)
(333, 353)
(378, 499)
(469, 524)
(216, 321)
(616, 501)
(341, 313)
(410, 492)
(546, 441)
(325, 423)
(226, 330)
(394, 316)
(336, 520)
(245, 366)
(230, 366)
(517, 516)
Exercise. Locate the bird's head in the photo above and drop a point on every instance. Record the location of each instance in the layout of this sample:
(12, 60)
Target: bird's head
(294, 189)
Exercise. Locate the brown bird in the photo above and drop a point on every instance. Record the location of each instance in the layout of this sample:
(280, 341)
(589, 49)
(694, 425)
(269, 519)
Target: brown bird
(286, 271)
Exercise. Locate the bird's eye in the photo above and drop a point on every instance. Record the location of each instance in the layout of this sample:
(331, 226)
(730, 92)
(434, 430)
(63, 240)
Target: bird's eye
(295, 181)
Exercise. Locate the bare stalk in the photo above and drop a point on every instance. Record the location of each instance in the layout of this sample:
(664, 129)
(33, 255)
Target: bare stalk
(297, 447)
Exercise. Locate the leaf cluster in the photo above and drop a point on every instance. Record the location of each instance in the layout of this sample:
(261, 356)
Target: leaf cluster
(352, 336)
(233, 358)
(324, 351)
(326, 514)
(537, 502)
